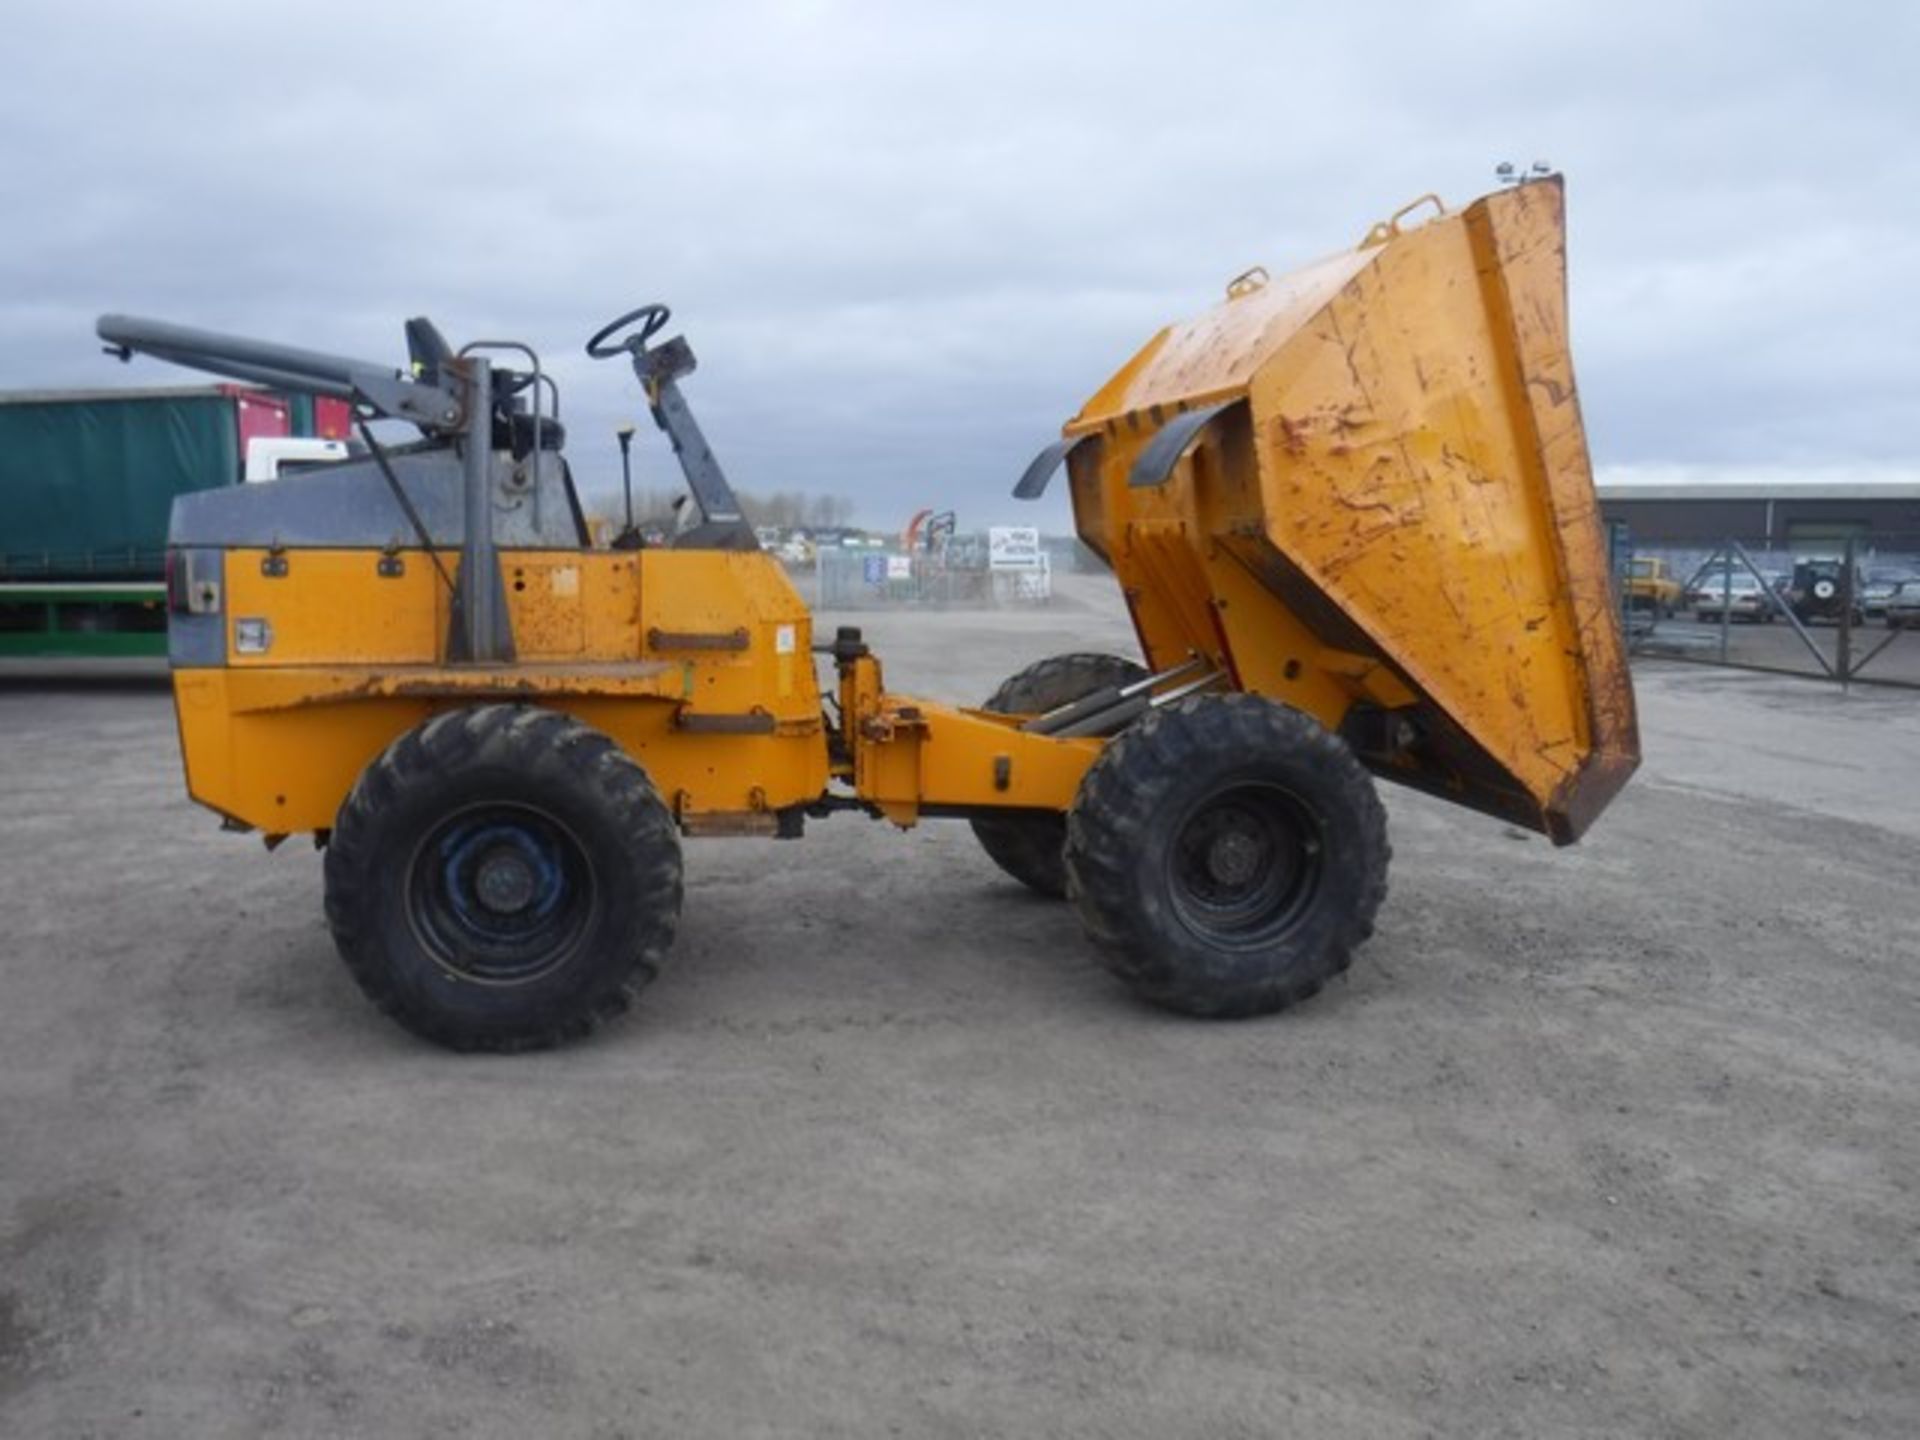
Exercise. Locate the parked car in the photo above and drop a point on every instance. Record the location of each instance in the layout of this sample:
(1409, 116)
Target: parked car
(1738, 594)
(1880, 588)
(1701, 583)
(1902, 608)
(1819, 591)
(1652, 586)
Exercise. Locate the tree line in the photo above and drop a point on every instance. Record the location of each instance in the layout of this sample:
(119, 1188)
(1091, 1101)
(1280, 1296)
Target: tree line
(788, 509)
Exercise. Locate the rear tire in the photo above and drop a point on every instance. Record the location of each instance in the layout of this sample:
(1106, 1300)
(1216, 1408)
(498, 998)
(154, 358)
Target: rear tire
(1226, 855)
(503, 878)
(1027, 844)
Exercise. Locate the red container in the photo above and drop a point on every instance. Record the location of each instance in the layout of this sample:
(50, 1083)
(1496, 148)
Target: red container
(259, 414)
(332, 419)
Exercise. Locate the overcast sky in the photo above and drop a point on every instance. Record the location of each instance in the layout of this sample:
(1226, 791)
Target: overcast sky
(906, 241)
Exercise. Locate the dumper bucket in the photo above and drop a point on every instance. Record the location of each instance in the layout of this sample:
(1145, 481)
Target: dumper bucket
(1364, 489)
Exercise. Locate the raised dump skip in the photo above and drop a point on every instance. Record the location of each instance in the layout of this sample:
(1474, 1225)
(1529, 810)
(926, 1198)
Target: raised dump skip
(1365, 487)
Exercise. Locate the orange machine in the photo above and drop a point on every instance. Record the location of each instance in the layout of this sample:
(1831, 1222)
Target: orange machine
(1350, 511)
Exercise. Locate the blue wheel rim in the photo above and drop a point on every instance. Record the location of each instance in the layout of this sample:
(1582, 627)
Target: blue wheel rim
(500, 894)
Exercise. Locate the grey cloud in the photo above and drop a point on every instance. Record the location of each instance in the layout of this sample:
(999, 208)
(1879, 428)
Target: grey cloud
(908, 240)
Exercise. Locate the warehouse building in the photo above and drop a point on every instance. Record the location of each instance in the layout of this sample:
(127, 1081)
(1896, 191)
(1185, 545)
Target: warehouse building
(1799, 517)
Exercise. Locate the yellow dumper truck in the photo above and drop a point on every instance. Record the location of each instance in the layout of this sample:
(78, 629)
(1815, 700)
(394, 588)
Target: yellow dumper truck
(1350, 511)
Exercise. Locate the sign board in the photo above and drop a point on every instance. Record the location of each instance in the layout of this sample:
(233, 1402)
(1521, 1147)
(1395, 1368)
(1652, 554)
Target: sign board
(873, 569)
(1014, 547)
(899, 567)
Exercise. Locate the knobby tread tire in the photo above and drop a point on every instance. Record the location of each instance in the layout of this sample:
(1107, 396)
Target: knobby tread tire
(517, 754)
(1025, 844)
(1140, 791)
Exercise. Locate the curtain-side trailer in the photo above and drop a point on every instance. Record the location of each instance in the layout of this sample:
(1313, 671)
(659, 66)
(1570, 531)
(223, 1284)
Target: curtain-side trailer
(87, 480)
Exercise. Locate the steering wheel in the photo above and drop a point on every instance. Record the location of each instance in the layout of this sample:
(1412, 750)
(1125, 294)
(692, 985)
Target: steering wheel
(652, 318)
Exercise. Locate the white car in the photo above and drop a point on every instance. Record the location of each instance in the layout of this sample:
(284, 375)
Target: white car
(1881, 589)
(1902, 608)
(1739, 594)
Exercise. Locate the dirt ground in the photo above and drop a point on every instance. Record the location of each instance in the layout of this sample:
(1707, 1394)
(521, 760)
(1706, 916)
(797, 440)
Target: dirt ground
(1616, 1140)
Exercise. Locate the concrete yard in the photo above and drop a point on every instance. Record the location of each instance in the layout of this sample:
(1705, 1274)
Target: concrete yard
(1875, 653)
(1609, 1141)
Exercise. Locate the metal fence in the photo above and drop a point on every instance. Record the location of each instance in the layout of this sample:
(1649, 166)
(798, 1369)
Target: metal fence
(873, 580)
(1840, 611)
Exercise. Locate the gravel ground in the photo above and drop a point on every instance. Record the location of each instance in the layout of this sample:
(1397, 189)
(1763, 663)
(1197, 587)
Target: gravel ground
(1609, 1141)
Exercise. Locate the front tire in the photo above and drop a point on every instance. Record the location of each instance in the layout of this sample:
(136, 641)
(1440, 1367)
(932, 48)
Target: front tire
(1227, 854)
(1028, 844)
(503, 878)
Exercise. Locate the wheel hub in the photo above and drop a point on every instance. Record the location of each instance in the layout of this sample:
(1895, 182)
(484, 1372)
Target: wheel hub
(500, 893)
(505, 883)
(1245, 864)
(1234, 857)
